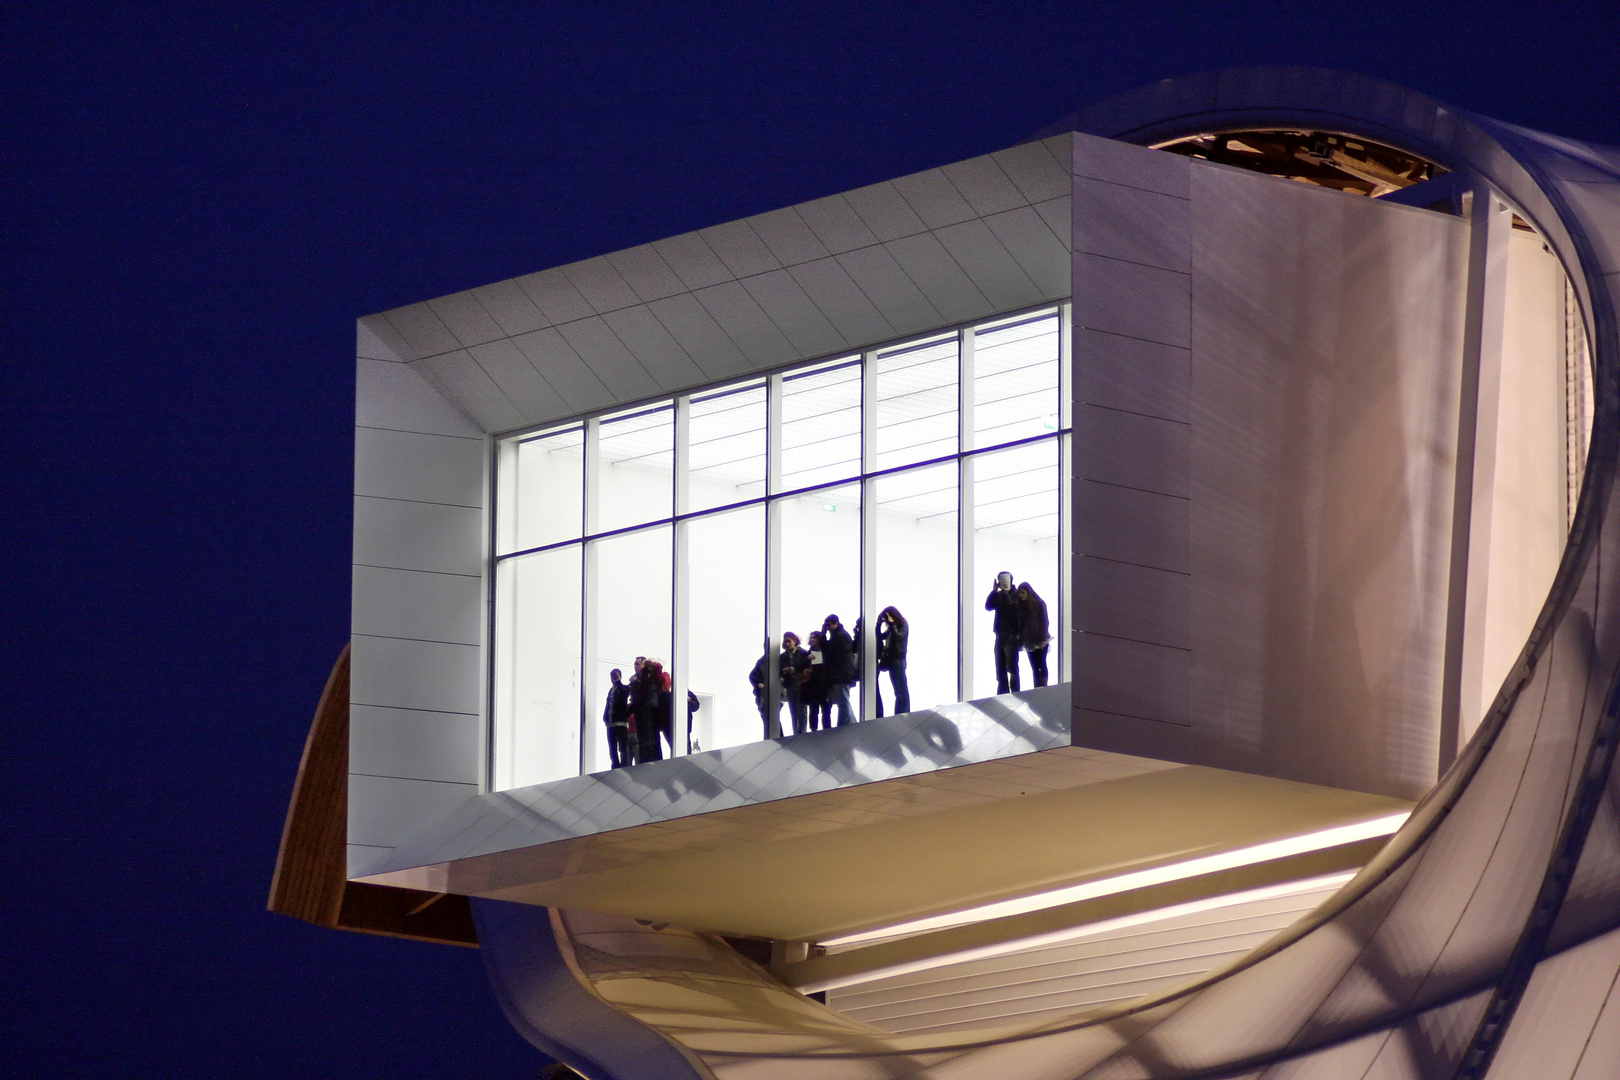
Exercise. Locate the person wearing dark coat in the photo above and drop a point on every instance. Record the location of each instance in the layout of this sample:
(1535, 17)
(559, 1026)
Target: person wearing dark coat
(1009, 631)
(840, 664)
(1037, 632)
(647, 709)
(811, 678)
(893, 636)
(759, 678)
(794, 659)
(616, 715)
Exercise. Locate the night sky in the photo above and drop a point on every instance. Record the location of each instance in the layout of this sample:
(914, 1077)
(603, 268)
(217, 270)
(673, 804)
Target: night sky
(199, 200)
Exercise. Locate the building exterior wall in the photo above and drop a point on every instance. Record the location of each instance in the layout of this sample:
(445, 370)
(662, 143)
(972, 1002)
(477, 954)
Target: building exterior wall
(1267, 379)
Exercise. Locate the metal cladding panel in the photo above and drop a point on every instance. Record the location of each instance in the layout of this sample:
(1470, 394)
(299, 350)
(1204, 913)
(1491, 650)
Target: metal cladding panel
(1279, 365)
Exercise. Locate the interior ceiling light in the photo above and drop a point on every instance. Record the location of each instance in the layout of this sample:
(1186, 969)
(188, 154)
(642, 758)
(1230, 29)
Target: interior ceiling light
(1136, 879)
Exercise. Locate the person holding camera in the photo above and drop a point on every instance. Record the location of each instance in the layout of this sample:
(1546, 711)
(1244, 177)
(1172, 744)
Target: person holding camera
(1009, 631)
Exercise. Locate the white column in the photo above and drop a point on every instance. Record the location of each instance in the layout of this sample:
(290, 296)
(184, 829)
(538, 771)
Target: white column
(773, 544)
(867, 706)
(680, 606)
(1065, 597)
(587, 579)
(966, 606)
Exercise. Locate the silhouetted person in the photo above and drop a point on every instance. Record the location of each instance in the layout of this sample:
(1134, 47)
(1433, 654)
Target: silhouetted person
(616, 715)
(893, 637)
(759, 678)
(1009, 630)
(794, 659)
(812, 682)
(840, 664)
(647, 709)
(1037, 632)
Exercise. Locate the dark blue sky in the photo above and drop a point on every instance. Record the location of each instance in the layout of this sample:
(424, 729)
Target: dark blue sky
(199, 200)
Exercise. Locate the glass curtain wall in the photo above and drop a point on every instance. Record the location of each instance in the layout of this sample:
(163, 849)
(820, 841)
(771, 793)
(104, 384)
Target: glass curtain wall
(696, 531)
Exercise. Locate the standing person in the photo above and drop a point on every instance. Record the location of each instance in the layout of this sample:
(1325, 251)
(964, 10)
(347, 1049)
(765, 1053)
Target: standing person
(616, 715)
(1037, 632)
(793, 659)
(893, 634)
(647, 709)
(1009, 630)
(812, 682)
(840, 666)
(666, 717)
(759, 679)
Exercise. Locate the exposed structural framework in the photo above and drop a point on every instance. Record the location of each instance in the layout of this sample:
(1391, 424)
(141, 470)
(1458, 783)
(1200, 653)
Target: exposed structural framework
(1292, 393)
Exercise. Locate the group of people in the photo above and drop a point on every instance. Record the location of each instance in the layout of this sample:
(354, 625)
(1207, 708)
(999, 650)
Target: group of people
(639, 711)
(1021, 626)
(815, 675)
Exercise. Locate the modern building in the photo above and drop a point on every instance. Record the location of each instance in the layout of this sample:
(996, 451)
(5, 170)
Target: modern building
(1291, 393)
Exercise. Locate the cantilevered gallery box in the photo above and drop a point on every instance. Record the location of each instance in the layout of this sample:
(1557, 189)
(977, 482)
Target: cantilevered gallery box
(1281, 423)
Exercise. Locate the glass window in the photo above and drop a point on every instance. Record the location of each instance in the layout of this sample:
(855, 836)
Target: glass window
(635, 468)
(547, 493)
(537, 598)
(1015, 529)
(726, 448)
(916, 388)
(914, 514)
(689, 529)
(724, 559)
(821, 426)
(1015, 380)
(630, 598)
(820, 543)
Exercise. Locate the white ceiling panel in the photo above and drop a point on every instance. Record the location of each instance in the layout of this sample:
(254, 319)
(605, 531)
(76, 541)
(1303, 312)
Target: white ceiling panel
(1030, 243)
(884, 211)
(374, 339)
(601, 285)
(740, 248)
(563, 369)
(836, 224)
(835, 293)
(939, 278)
(794, 313)
(510, 307)
(645, 271)
(981, 256)
(466, 318)
(555, 296)
(935, 199)
(986, 188)
(614, 364)
(693, 260)
(659, 353)
(421, 331)
(470, 386)
(527, 389)
(700, 336)
(788, 237)
(747, 325)
(1039, 169)
(894, 294)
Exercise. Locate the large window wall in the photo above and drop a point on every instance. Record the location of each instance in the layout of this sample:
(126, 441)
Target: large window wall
(697, 529)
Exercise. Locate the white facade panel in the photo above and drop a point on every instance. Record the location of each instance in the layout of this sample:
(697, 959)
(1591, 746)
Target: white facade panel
(393, 396)
(555, 296)
(418, 604)
(563, 369)
(836, 224)
(414, 745)
(600, 284)
(408, 674)
(421, 467)
(510, 307)
(379, 805)
(408, 535)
